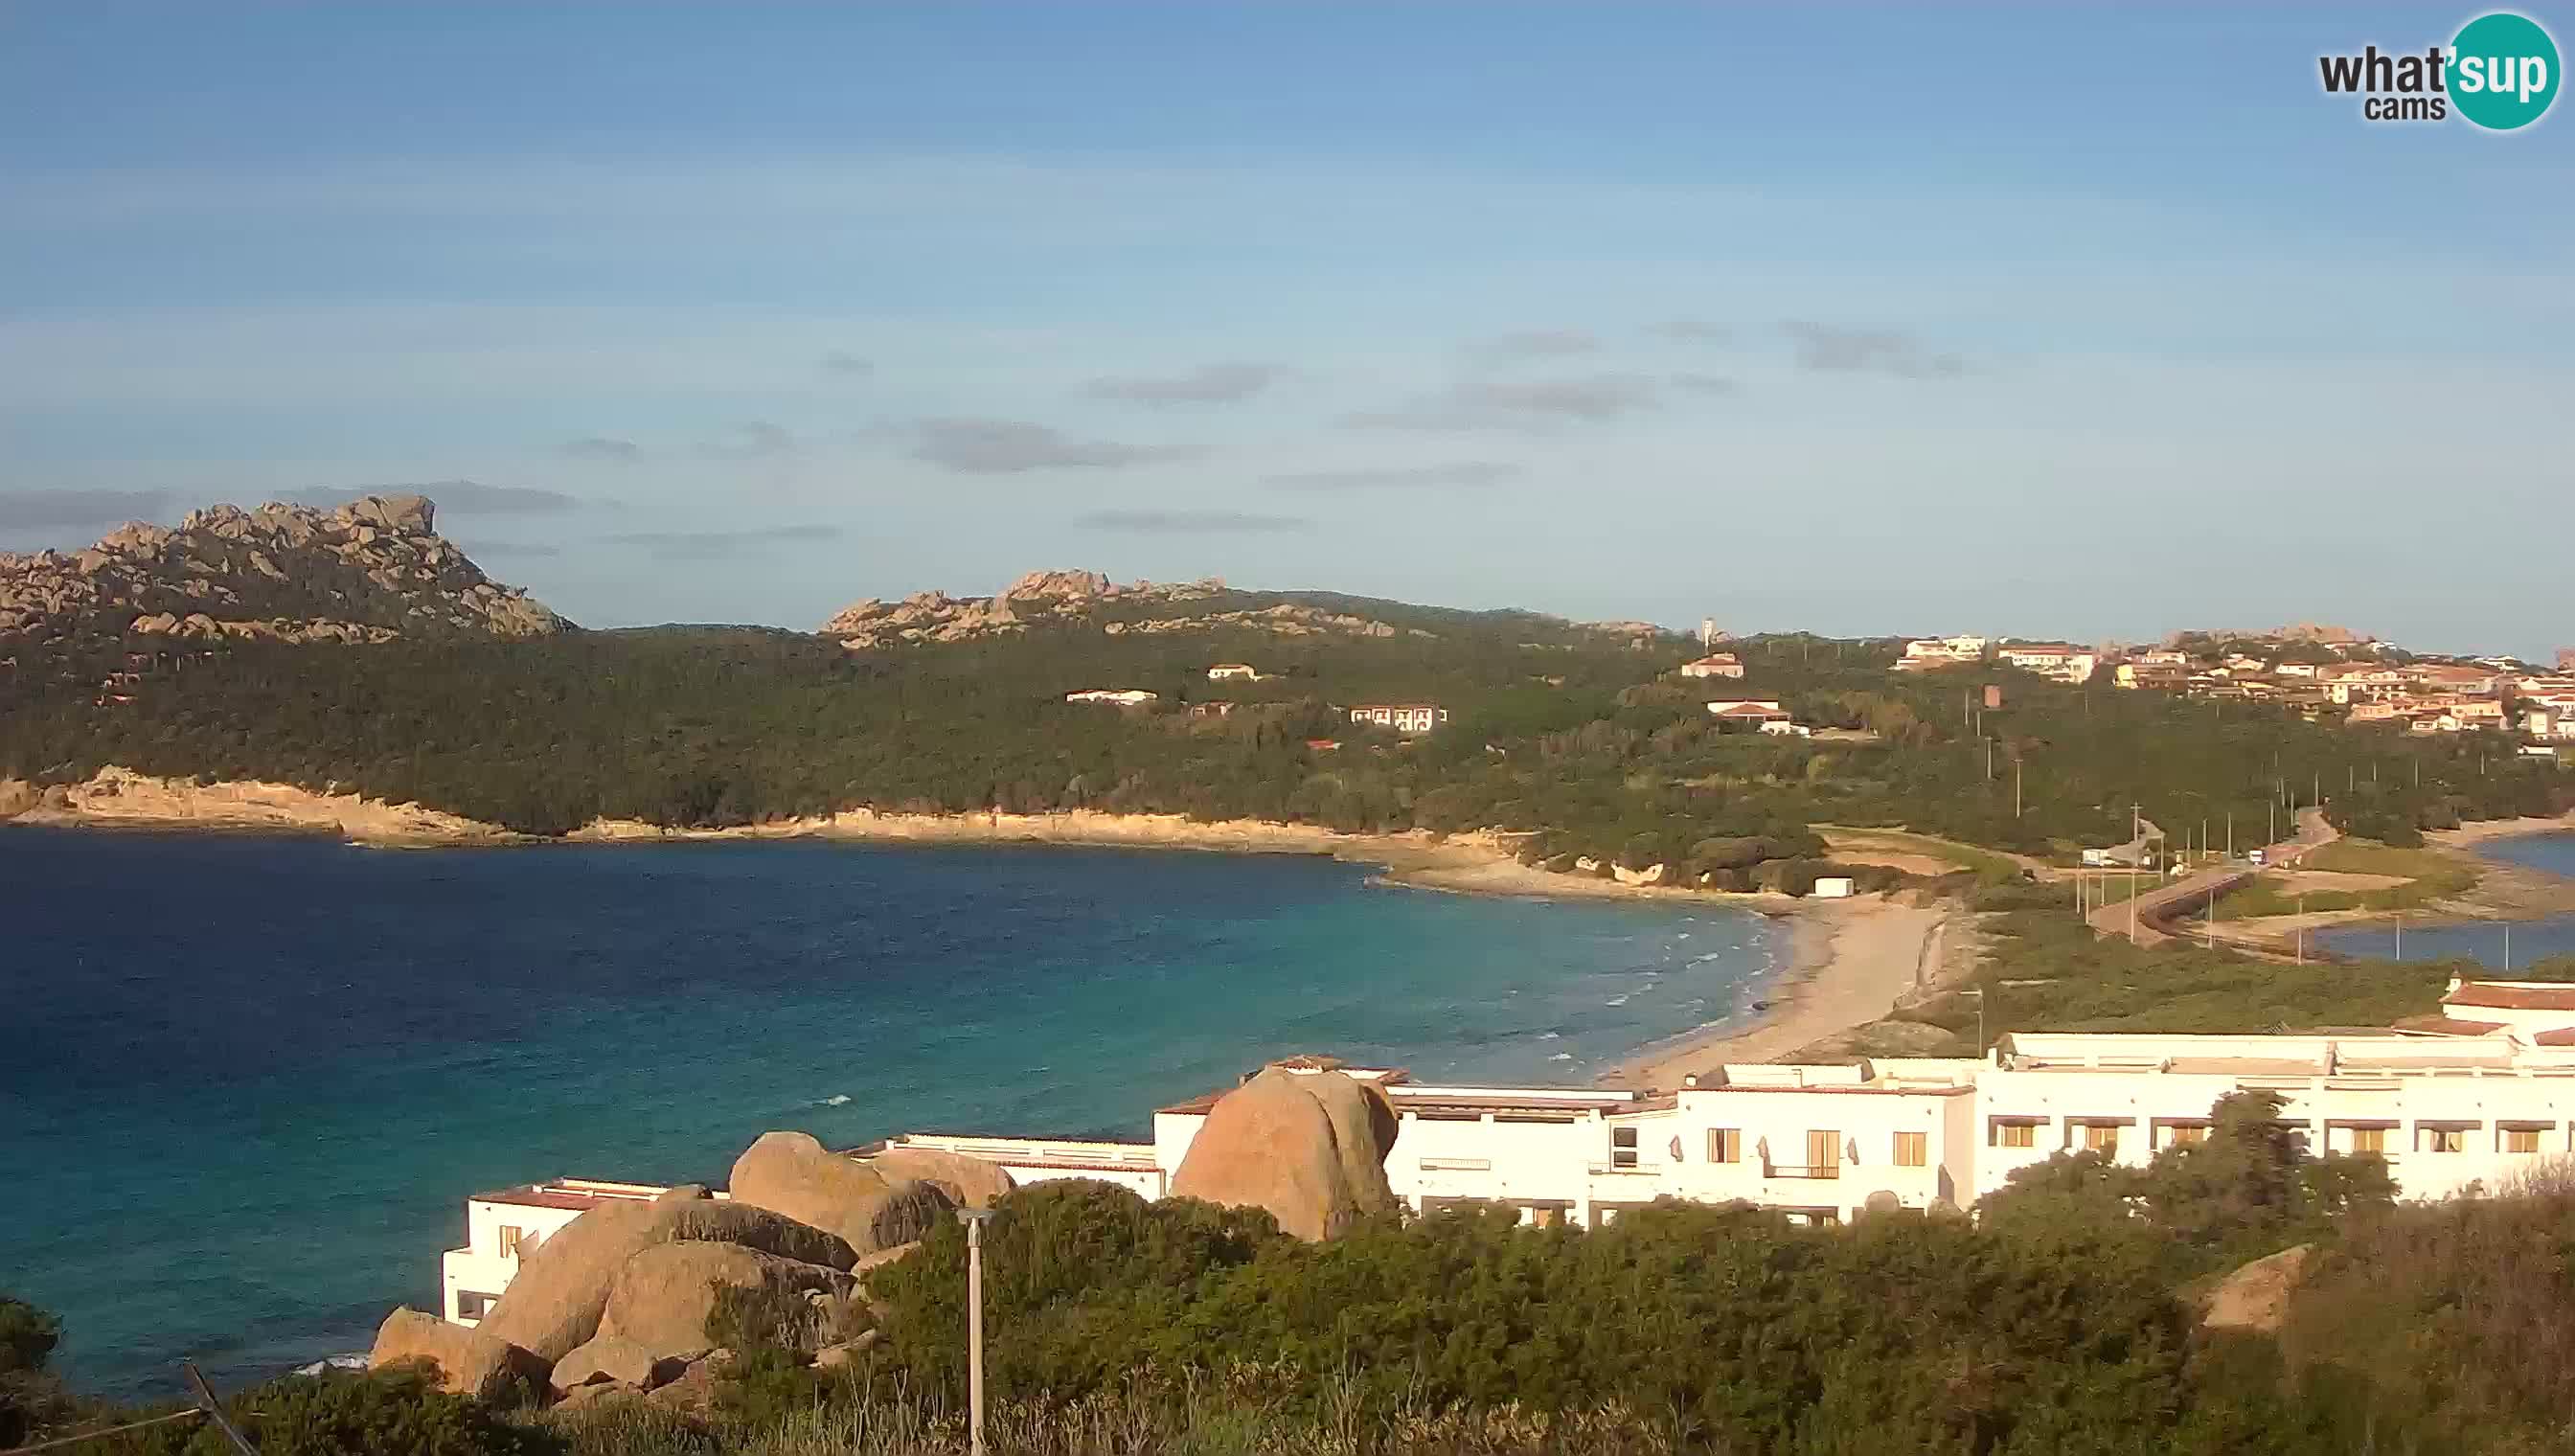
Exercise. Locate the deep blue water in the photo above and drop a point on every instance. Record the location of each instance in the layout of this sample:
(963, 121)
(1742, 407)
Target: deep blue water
(246, 1083)
(2491, 944)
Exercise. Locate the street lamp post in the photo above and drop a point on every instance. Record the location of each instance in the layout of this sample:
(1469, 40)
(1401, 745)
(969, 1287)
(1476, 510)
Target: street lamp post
(975, 1219)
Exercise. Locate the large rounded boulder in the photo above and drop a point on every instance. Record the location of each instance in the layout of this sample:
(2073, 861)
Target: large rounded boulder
(665, 1299)
(467, 1361)
(608, 1358)
(555, 1302)
(967, 1182)
(2255, 1296)
(792, 1174)
(1309, 1146)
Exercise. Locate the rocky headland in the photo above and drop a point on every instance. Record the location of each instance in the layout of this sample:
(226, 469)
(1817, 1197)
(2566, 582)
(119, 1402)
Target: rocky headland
(367, 571)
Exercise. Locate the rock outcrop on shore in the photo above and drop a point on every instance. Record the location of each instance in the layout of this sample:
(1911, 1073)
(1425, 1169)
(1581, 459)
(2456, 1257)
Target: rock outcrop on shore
(367, 571)
(632, 1296)
(562, 1291)
(466, 1361)
(792, 1174)
(1309, 1146)
(664, 1299)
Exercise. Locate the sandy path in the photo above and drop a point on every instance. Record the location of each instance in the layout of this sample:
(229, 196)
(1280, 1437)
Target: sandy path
(1851, 962)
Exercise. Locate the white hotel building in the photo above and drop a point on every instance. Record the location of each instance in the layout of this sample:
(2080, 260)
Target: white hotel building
(2469, 1098)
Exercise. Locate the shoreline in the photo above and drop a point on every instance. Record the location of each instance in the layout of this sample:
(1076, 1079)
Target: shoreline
(1478, 861)
(1849, 963)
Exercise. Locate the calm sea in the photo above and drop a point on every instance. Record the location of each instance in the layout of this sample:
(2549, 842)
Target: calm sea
(2491, 944)
(246, 1083)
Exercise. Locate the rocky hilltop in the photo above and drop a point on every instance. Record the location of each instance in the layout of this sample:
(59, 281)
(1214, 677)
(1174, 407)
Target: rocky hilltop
(1080, 597)
(370, 570)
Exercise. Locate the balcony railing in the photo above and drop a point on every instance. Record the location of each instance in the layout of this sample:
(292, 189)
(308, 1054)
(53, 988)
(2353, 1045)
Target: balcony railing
(1785, 1170)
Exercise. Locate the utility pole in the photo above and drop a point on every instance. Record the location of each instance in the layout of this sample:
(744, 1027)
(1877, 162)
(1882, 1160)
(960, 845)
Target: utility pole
(2016, 767)
(975, 1219)
(2303, 927)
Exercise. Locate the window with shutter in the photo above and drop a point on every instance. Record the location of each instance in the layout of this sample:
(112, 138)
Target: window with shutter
(1824, 1154)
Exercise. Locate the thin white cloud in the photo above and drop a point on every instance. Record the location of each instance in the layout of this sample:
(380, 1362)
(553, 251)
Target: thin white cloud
(1519, 404)
(976, 445)
(472, 498)
(1190, 522)
(754, 440)
(1832, 348)
(604, 447)
(77, 510)
(1208, 383)
(1538, 343)
(1460, 474)
(721, 545)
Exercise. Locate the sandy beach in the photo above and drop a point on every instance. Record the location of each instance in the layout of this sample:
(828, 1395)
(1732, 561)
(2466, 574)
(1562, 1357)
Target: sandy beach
(1851, 961)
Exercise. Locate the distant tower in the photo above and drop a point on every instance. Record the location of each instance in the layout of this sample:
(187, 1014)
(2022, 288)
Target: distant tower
(1707, 637)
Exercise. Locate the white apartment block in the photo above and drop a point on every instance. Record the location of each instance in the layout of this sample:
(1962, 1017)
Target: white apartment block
(2463, 1099)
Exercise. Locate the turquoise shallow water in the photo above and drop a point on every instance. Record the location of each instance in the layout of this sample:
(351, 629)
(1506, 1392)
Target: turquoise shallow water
(246, 1083)
(2489, 943)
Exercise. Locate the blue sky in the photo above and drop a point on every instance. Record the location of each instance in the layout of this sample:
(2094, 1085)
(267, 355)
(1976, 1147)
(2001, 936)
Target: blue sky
(2045, 321)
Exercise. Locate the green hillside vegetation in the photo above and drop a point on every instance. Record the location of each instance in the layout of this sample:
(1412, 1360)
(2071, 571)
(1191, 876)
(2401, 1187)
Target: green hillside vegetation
(1576, 735)
(2066, 1317)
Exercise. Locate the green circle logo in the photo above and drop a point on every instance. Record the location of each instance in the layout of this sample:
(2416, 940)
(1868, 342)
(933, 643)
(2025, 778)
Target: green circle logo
(2503, 71)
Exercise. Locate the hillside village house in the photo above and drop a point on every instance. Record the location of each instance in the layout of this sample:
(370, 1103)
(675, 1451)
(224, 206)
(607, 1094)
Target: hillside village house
(503, 1226)
(1922, 654)
(2170, 676)
(1714, 665)
(1234, 673)
(1757, 711)
(1403, 717)
(1122, 696)
(2454, 1102)
(2061, 660)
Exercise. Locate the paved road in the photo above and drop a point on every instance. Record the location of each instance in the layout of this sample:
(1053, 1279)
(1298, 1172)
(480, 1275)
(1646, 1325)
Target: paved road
(2192, 891)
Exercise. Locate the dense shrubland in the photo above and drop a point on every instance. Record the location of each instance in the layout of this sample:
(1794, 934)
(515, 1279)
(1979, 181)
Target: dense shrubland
(1574, 737)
